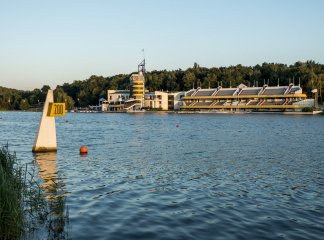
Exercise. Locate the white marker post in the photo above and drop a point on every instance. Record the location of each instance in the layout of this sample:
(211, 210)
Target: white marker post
(45, 140)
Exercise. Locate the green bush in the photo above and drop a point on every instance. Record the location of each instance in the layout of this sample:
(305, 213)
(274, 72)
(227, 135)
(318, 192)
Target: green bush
(308, 109)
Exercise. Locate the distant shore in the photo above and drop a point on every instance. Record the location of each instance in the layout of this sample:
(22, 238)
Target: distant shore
(319, 112)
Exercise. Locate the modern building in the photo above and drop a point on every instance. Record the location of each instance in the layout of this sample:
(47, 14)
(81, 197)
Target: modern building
(127, 100)
(135, 99)
(115, 100)
(121, 101)
(175, 100)
(156, 100)
(243, 98)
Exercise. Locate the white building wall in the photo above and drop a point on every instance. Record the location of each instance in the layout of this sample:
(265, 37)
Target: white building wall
(156, 100)
(177, 103)
(117, 95)
(104, 106)
(164, 100)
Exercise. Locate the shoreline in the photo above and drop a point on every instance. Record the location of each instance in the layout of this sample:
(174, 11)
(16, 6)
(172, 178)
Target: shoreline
(320, 112)
(243, 113)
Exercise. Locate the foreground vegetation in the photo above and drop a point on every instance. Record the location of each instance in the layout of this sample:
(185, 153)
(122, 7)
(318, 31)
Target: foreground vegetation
(87, 92)
(11, 188)
(23, 208)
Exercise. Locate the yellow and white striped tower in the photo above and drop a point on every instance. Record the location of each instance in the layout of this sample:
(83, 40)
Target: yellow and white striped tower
(137, 84)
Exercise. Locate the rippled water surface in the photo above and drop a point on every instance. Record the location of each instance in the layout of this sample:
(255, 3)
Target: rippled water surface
(179, 176)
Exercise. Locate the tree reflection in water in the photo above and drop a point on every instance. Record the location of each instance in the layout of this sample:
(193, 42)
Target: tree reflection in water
(53, 187)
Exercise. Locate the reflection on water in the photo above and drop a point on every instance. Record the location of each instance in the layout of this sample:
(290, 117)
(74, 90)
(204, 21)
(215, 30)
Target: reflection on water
(53, 187)
(48, 172)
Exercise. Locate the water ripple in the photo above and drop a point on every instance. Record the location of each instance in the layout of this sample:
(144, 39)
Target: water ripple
(214, 177)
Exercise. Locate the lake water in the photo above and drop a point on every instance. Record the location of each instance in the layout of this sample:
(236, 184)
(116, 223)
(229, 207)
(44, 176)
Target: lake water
(182, 176)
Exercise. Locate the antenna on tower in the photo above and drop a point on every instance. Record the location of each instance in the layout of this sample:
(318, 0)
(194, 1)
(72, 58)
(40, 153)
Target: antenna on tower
(141, 66)
(143, 53)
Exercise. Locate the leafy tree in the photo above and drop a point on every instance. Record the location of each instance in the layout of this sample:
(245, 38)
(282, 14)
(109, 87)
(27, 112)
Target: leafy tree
(189, 80)
(86, 92)
(61, 97)
(45, 89)
(24, 105)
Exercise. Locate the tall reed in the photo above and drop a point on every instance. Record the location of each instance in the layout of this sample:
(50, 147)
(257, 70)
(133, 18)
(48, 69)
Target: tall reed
(11, 188)
(23, 207)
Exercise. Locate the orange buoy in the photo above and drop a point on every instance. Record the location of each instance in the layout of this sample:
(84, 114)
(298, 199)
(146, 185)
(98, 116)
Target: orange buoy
(83, 149)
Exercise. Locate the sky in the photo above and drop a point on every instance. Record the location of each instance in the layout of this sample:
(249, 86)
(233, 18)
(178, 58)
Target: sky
(54, 42)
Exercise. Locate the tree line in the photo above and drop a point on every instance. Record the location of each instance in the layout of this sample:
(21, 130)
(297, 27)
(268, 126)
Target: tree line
(309, 74)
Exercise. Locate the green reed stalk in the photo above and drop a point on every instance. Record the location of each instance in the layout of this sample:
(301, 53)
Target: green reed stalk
(11, 187)
(23, 207)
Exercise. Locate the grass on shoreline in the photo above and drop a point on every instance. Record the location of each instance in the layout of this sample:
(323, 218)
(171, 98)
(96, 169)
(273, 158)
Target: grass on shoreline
(11, 187)
(23, 208)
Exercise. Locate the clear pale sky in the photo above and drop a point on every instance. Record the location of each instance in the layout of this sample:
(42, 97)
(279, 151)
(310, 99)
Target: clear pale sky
(52, 42)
